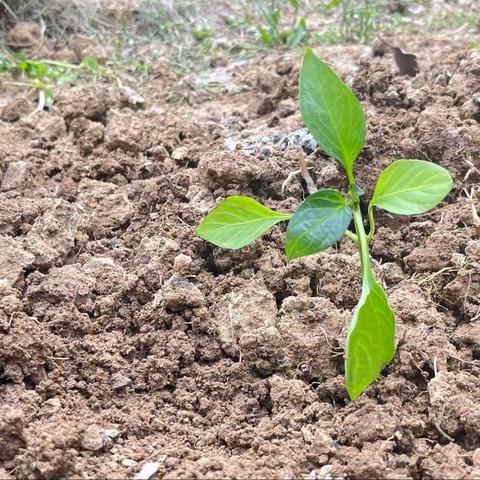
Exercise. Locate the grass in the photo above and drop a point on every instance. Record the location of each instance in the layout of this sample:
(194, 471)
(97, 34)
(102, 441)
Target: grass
(193, 34)
(43, 75)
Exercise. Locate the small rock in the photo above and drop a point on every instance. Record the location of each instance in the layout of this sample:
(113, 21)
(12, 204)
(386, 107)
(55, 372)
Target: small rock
(307, 435)
(92, 439)
(117, 380)
(325, 472)
(110, 433)
(52, 405)
(14, 176)
(132, 97)
(95, 439)
(148, 470)
(180, 155)
(182, 262)
(128, 462)
(230, 144)
(179, 293)
(458, 259)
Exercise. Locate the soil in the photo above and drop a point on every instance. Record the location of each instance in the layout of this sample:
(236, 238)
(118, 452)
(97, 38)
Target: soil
(125, 339)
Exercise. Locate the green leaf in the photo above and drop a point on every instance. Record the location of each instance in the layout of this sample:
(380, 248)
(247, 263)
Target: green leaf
(318, 222)
(331, 112)
(238, 221)
(371, 339)
(409, 187)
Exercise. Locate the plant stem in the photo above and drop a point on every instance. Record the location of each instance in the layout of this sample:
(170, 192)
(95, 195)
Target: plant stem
(351, 236)
(372, 223)
(62, 64)
(361, 236)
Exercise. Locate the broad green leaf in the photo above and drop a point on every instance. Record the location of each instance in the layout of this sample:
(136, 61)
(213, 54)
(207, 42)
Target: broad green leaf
(331, 112)
(238, 221)
(371, 339)
(409, 187)
(317, 223)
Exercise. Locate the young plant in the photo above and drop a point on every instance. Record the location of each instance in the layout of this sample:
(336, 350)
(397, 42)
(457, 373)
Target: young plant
(272, 35)
(43, 75)
(336, 120)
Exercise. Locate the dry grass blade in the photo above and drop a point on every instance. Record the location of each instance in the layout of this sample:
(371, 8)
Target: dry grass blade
(311, 187)
(471, 200)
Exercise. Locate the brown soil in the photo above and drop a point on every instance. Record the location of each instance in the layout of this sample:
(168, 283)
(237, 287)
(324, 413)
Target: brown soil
(116, 351)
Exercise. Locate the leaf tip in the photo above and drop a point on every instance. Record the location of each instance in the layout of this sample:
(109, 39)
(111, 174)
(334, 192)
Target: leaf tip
(308, 54)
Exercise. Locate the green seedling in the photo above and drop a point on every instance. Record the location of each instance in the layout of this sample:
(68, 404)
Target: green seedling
(269, 28)
(336, 120)
(44, 75)
(272, 34)
(357, 21)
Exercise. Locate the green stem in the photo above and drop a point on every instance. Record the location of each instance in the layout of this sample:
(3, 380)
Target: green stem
(62, 64)
(351, 236)
(372, 223)
(361, 236)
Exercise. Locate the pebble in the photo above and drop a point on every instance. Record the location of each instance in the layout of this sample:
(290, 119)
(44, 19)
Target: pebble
(52, 404)
(179, 293)
(148, 470)
(15, 176)
(117, 380)
(182, 262)
(180, 155)
(94, 438)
